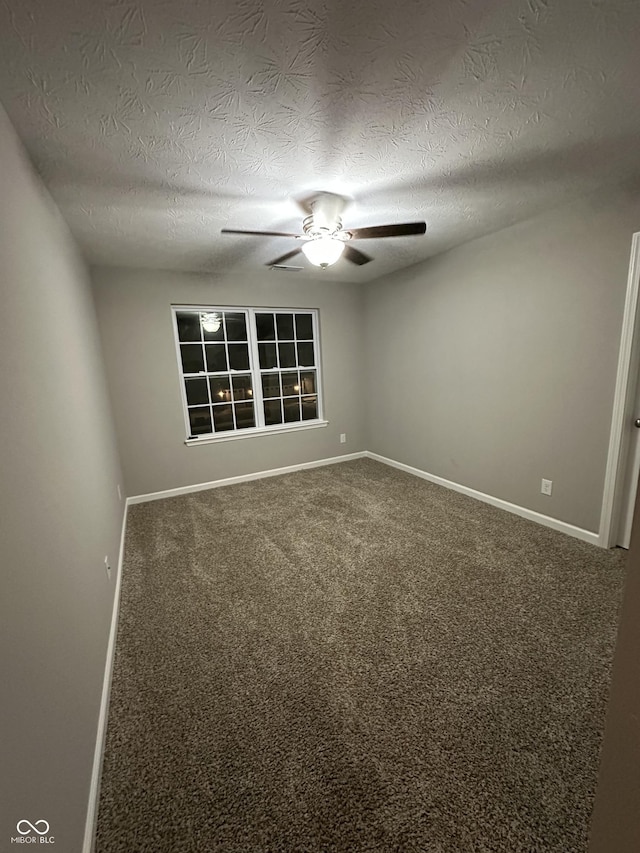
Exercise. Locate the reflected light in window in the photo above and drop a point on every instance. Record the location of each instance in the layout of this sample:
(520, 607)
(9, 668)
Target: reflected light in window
(210, 321)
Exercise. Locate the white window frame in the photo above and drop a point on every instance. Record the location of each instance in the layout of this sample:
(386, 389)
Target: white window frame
(254, 369)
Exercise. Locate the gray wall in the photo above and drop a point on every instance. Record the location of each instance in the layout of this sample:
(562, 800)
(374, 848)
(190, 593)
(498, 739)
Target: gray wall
(59, 513)
(494, 365)
(134, 313)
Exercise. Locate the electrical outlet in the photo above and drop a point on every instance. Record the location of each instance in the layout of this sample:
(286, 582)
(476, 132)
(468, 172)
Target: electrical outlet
(546, 486)
(107, 567)
(343, 438)
(119, 492)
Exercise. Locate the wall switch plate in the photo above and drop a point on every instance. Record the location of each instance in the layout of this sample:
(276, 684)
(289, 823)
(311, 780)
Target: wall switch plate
(107, 567)
(343, 438)
(546, 486)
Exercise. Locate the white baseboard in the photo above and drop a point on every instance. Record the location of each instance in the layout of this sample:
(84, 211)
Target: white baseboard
(546, 520)
(523, 512)
(243, 478)
(94, 790)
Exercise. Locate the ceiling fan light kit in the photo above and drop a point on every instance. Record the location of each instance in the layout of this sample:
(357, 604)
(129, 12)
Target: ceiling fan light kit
(323, 251)
(326, 241)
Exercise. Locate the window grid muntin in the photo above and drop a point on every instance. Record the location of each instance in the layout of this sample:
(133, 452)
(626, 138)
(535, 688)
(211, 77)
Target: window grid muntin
(207, 374)
(297, 369)
(254, 370)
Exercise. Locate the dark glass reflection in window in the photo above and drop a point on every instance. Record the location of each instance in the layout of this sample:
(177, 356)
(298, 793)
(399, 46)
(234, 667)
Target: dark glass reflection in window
(285, 327)
(305, 355)
(238, 357)
(290, 384)
(220, 389)
(267, 355)
(309, 408)
(236, 327)
(270, 385)
(224, 401)
(188, 326)
(308, 381)
(242, 389)
(216, 358)
(212, 320)
(200, 420)
(265, 327)
(291, 409)
(272, 412)
(192, 360)
(244, 415)
(222, 418)
(304, 327)
(196, 391)
(287, 354)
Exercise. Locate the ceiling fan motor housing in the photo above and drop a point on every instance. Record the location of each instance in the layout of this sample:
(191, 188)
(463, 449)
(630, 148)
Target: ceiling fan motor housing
(313, 227)
(325, 216)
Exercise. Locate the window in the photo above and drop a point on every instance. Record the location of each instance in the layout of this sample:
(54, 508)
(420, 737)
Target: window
(247, 370)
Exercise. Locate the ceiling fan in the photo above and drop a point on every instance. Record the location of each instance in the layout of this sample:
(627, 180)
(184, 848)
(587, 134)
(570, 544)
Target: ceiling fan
(325, 240)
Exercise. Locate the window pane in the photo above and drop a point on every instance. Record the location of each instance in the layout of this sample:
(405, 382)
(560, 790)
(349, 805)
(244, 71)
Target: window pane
(242, 387)
(268, 357)
(308, 381)
(304, 327)
(196, 391)
(200, 420)
(270, 384)
(238, 357)
(236, 327)
(188, 325)
(222, 418)
(309, 408)
(216, 358)
(244, 416)
(290, 384)
(272, 412)
(291, 409)
(265, 326)
(192, 360)
(212, 328)
(285, 327)
(305, 355)
(220, 389)
(287, 354)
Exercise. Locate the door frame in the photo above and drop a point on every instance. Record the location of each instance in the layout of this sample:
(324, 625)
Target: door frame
(623, 403)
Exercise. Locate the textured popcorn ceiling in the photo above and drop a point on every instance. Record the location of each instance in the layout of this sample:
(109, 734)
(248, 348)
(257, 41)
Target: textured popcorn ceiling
(156, 123)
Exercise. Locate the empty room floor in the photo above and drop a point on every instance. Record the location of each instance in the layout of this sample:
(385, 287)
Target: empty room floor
(350, 658)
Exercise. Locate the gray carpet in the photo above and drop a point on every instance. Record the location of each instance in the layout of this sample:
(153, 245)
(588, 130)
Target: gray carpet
(353, 659)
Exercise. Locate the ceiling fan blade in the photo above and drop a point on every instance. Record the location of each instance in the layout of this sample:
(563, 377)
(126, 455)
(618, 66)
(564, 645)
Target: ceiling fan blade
(283, 258)
(405, 229)
(355, 256)
(260, 233)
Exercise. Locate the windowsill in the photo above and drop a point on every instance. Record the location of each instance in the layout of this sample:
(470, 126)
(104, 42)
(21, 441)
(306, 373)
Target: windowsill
(275, 430)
